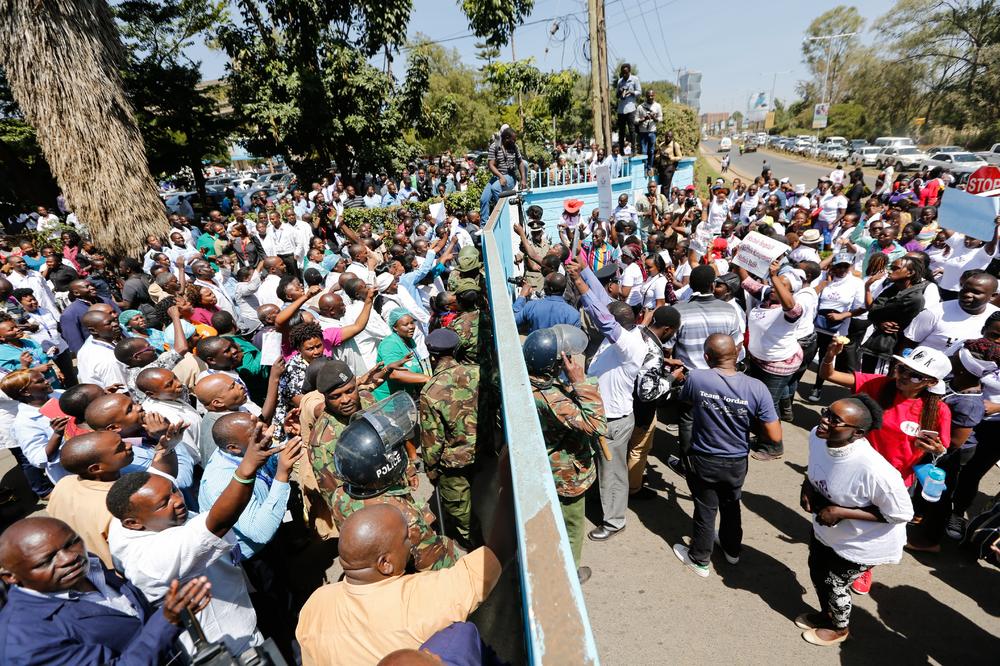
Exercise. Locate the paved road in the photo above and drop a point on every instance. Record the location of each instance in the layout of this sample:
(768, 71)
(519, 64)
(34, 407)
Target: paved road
(646, 608)
(782, 164)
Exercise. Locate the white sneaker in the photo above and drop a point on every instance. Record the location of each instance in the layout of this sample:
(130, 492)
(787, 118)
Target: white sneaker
(729, 558)
(681, 552)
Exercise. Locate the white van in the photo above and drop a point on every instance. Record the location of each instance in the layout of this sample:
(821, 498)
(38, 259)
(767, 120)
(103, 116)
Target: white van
(884, 141)
(726, 143)
(836, 141)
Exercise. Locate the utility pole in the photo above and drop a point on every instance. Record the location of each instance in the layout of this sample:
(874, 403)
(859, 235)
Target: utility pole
(829, 55)
(520, 103)
(600, 95)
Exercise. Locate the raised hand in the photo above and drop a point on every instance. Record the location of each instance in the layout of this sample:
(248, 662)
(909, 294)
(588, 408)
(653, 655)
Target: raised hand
(194, 595)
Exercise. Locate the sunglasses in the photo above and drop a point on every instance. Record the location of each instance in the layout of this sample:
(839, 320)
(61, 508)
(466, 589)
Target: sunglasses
(905, 371)
(835, 421)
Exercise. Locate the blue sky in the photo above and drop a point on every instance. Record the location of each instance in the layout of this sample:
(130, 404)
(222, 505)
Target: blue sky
(737, 49)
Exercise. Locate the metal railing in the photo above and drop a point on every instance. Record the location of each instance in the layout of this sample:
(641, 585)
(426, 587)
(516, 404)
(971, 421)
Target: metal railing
(556, 626)
(572, 174)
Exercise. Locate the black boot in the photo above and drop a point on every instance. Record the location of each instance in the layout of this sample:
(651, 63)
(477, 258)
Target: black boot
(785, 407)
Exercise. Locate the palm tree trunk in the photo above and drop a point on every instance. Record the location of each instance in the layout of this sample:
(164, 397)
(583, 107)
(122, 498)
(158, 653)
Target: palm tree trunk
(61, 59)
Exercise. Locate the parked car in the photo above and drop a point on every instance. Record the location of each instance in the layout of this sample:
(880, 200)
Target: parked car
(750, 146)
(884, 141)
(957, 162)
(174, 204)
(902, 157)
(945, 149)
(836, 140)
(837, 153)
(992, 155)
(865, 155)
(855, 144)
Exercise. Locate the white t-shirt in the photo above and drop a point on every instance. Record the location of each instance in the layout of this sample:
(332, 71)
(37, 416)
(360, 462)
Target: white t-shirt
(837, 176)
(616, 366)
(991, 391)
(632, 277)
(806, 324)
(150, 560)
(649, 291)
(683, 271)
(718, 213)
(947, 326)
(748, 206)
(843, 295)
(772, 337)
(829, 205)
(961, 259)
(856, 476)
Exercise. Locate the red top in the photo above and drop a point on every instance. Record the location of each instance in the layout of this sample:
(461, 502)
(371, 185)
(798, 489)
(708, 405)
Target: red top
(901, 425)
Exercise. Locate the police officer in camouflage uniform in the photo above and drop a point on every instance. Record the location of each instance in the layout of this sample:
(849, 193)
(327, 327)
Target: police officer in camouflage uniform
(537, 244)
(468, 270)
(343, 400)
(449, 409)
(572, 419)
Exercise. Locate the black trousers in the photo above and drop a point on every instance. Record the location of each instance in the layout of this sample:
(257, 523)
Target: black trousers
(716, 484)
(626, 130)
(666, 178)
(987, 454)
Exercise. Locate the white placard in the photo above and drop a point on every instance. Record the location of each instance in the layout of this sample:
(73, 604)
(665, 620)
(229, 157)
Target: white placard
(437, 211)
(700, 241)
(969, 214)
(270, 347)
(605, 201)
(757, 251)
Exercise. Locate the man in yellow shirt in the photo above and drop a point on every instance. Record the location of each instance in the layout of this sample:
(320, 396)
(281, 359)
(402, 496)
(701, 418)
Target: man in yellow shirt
(377, 609)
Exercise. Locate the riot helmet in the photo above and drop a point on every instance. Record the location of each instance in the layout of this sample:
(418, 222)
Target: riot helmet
(543, 349)
(370, 456)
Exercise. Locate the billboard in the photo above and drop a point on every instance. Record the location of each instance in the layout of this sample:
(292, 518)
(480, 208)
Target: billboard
(758, 110)
(821, 114)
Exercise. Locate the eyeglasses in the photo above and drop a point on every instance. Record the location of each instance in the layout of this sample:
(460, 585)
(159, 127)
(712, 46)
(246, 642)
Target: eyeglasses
(906, 371)
(834, 420)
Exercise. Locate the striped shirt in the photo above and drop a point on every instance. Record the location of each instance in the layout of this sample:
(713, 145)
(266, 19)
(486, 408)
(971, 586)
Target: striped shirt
(506, 161)
(701, 317)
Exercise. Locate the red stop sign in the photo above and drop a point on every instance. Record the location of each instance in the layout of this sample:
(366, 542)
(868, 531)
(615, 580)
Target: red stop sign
(984, 179)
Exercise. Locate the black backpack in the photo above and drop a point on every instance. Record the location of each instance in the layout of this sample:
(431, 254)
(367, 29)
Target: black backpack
(982, 532)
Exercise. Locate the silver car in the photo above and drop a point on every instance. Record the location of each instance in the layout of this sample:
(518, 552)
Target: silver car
(865, 156)
(902, 157)
(957, 162)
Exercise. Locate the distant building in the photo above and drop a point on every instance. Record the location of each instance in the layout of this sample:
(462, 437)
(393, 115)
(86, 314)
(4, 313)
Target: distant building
(714, 122)
(690, 89)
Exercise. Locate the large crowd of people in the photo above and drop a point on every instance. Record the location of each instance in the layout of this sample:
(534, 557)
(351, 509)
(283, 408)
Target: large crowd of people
(267, 382)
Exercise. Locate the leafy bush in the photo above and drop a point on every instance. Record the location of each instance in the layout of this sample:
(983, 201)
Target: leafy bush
(456, 204)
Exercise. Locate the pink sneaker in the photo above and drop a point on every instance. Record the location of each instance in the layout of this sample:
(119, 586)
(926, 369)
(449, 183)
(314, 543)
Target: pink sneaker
(863, 583)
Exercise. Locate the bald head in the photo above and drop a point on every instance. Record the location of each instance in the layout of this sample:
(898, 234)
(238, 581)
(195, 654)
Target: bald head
(74, 400)
(408, 657)
(92, 453)
(27, 544)
(720, 349)
(555, 284)
(151, 380)
(331, 305)
(369, 536)
(105, 410)
(232, 431)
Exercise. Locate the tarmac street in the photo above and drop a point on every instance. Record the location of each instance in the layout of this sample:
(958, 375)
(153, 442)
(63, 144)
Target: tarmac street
(647, 608)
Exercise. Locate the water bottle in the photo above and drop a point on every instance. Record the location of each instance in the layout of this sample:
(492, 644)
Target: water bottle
(933, 485)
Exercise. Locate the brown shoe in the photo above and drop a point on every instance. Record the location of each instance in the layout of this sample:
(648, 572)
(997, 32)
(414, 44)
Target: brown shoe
(825, 637)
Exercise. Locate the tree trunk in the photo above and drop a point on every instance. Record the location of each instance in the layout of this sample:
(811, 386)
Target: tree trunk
(61, 59)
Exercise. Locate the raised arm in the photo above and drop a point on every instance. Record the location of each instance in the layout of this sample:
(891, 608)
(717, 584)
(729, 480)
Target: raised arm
(234, 499)
(285, 316)
(594, 299)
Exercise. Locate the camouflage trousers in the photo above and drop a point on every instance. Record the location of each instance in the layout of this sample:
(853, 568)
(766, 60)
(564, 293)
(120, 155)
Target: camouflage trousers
(573, 516)
(430, 550)
(455, 488)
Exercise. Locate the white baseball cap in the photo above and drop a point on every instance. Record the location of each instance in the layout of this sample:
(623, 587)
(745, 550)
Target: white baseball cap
(930, 362)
